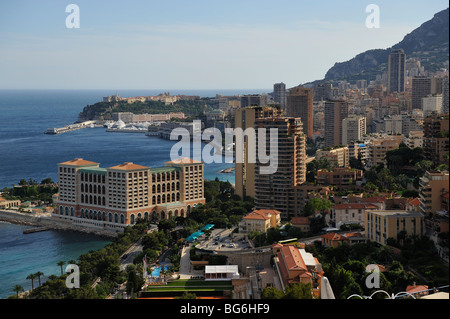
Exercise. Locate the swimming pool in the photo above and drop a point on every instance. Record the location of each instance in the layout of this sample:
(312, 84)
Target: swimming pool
(157, 270)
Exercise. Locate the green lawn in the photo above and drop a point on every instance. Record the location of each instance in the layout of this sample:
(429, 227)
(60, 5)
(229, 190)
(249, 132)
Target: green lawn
(192, 285)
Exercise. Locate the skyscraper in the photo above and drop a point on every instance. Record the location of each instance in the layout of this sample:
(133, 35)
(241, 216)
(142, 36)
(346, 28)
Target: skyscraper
(278, 191)
(245, 172)
(300, 104)
(335, 112)
(279, 94)
(396, 71)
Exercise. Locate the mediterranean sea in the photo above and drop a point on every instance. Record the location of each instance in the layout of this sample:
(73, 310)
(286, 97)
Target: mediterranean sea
(26, 152)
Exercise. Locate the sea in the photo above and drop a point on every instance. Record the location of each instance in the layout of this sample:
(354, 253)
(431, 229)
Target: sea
(26, 152)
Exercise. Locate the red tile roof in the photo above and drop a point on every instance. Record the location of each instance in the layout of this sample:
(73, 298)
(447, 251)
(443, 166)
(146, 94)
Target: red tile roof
(333, 236)
(261, 214)
(78, 162)
(128, 166)
(184, 160)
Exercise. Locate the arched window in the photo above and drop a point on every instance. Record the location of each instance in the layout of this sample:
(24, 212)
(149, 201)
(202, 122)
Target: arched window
(82, 213)
(103, 201)
(61, 210)
(132, 219)
(82, 198)
(116, 218)
(103, 189)
(67, 211)
(154, 200)
(82, 186)
(153, 189)
(122, 219)
(110, 217)
(163, 198)
(71, 211)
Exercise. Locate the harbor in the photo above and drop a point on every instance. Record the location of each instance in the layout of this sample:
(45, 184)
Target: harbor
(69, 128)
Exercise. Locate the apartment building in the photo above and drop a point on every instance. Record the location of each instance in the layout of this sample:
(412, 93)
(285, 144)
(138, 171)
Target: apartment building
(278, 190)
(294, 265)
(353, 128)
(378, 147)
(117, 196)
(433, 185)
(245, 172)
(300, 104)
(436, 139)
(335, 112)
(341, 177)
(350, 213)
(260, 221)
(279, 94)
(397, 71)
(383, 224)
(338, 156)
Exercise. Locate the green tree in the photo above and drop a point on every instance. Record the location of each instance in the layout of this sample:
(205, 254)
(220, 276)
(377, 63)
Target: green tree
(61, 264)
(298, 291)
(315, 205)
(272, 293)
(17, 289)
(38, 275)
(47, 180)
(32, 277)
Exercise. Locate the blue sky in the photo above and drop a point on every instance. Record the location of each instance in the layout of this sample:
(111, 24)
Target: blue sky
(196, 44)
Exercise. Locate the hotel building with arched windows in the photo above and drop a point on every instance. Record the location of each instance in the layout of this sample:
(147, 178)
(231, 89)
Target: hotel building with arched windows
(115, 197)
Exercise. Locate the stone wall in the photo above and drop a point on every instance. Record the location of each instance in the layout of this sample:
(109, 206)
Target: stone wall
(45, 221)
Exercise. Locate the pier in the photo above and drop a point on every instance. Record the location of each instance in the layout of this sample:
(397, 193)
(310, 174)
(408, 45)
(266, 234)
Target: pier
(69, 128)
(35, 230)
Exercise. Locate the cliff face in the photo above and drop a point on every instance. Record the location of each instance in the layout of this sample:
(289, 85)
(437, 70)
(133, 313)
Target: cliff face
(431, 37)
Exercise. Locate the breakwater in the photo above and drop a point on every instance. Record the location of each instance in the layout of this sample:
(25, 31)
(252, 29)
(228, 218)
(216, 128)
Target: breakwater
(49, 222)
(69, 128)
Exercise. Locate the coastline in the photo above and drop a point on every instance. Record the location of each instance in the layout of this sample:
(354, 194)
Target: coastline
(28, 219)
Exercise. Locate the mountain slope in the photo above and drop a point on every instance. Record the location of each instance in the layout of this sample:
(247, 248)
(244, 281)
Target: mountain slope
(429, 42)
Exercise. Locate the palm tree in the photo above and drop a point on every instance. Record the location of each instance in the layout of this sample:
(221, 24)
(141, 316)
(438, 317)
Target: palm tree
(38, 275)
(61, 263)
(18, 289)
(31, 277)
